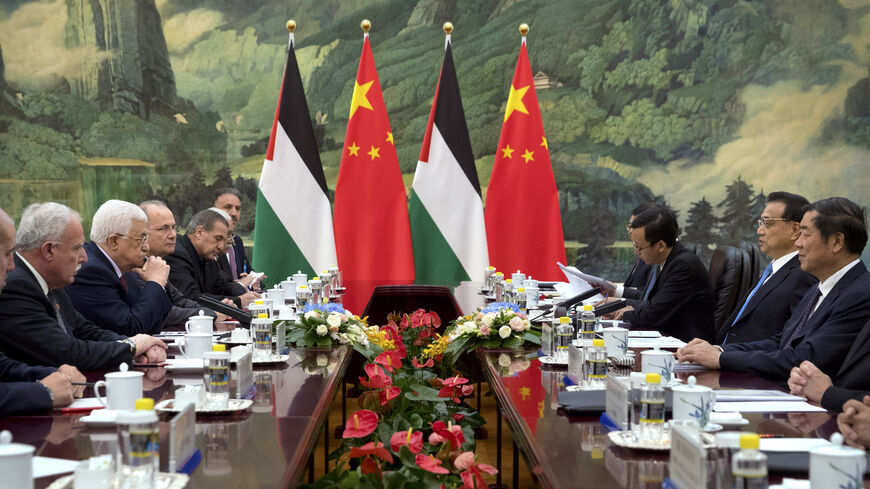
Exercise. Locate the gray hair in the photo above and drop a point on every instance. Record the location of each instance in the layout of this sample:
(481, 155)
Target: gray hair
(222, 212)
(115, 217)
(207, 219)
(43, 222)
(152, 203)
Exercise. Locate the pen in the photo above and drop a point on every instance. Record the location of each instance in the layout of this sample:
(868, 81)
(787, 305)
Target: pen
(771, 435)
(163, 364)
(86, 384)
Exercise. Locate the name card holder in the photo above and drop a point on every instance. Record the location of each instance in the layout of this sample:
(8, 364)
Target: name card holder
(183, 455)
(688, 464)
(575, 364)
(244, 374)
(616, 400)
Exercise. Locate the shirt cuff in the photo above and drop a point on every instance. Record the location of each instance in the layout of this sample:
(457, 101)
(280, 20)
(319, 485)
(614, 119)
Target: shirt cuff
(619, 290)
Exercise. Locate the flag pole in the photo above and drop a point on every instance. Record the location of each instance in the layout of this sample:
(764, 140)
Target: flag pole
(291, 26)
(448, 29)
(524, 29)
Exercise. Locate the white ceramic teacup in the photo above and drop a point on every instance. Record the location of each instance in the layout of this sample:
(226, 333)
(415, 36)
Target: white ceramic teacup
(693, 402)
(122, 390)
(658, 362)
(195, 344)
(16, 463)
(277, 295)
(616, 341)
(837, 465)
(300, 278)
(199, 324)
(240, 335)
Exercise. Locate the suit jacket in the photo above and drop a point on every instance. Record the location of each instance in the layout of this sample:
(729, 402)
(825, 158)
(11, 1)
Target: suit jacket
(639, 275)
(182, 307)
(242, 263)
(825, 340)
(19, 392)
(853, 379)
(193, 275)
(770, 307)
(30, 332)
(97, 293)
(681, 301)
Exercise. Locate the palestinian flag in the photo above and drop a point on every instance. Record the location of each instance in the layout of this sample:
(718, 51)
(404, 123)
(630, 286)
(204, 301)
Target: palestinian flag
(293, 229)
(446, 211)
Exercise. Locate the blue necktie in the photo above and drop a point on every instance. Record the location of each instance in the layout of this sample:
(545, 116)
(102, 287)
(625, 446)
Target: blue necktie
(652, 282)
(764, 276)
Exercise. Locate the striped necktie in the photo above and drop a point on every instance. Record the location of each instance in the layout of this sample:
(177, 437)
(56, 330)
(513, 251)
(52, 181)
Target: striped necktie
(805, 316)
(764, 276)
(652, 282)
(60, 323)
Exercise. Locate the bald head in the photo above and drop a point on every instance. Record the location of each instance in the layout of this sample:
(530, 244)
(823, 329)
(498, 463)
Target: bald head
(7, 244)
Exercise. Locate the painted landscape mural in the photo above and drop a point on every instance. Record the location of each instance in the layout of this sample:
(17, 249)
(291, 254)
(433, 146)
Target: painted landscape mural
(703, 104)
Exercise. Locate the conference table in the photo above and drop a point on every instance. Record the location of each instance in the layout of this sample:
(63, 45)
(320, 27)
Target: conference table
(268, 447)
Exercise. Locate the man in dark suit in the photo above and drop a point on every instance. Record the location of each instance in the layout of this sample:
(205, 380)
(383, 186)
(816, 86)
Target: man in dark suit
(827, 321)
(229, 200)
(679, 302)
(189, 263)
(38, 323)
(765, 309)
(162, 236)
(640, 273)
(105, 290)
(25, 389)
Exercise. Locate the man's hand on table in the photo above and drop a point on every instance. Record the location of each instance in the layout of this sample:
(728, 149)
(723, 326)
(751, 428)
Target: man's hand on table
(62, 390)
(149, 349)
(700, 352)
(854, 422)
(808, 381)
(74, 376)
(248, 297)
(618, 314)
(808, 422)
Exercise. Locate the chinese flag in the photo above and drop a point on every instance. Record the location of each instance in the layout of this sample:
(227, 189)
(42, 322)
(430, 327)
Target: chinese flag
(523, 223)
(372, 234)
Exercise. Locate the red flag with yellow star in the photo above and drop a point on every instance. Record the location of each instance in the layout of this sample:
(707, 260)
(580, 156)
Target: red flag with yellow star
(372, 234)
(523, 223)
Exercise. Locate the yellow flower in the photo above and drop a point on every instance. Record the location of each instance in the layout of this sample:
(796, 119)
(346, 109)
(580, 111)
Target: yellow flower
(437, 347)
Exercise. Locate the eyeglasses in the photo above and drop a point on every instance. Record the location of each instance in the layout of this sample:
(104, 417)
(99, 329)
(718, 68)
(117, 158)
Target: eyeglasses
(166, 228)
(141, 239)
(768, 221)
(640, 248)
(231, 238)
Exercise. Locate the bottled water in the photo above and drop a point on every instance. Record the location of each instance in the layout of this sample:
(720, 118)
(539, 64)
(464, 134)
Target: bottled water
(652, 409)
(596, 365)
(217, 377)
(749, 465)
(564, 335)
(140, 446)
(587, 323)
(634, 405)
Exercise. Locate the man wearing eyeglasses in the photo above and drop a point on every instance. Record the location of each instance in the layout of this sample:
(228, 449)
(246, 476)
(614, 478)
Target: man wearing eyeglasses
(105, 289)
(234, 263)
(678, 300)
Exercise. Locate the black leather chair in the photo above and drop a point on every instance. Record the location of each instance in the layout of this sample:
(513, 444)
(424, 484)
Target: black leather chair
(729, 277)
(403, 299)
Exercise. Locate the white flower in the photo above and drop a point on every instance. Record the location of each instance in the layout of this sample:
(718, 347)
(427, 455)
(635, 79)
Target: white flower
(322, 330)
(468, 327)
(333, 329)
(342, 338)
(322, 360)
(504, 331)
(516, 324)
(504, 360)
(488, 318)
(312, 314)
(333, 320)
(527, 325)
(343, 316)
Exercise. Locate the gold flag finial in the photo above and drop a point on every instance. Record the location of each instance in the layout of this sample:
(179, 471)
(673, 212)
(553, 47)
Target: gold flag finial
(524, 29)
(448, 27)
(291, 25)
(365, 25)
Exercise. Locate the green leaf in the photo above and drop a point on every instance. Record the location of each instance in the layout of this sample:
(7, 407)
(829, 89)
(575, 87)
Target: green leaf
(513, 342)
(416, 421)
(324, 341)
(407, 457)
(531, 337)
(400, 424)
(423, 393)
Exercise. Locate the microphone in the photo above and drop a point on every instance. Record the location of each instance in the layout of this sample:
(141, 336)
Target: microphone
(571, 301)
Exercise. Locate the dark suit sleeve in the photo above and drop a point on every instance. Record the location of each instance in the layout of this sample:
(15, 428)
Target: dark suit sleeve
(674, 291)
(826, 347)
(29, 334)
(96, 294)
(834, 397)
(23, 398)
(15, 371)
(183, 276)
(182, 308)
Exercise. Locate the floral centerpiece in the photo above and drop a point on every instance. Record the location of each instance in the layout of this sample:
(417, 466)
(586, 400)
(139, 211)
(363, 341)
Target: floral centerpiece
(498, 325)
(325, 325)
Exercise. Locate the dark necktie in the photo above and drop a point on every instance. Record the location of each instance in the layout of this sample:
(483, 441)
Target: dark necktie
(652, 282)
(124, 283)
(805, 315)
(53, 300)
(231, 254)
(764, 276)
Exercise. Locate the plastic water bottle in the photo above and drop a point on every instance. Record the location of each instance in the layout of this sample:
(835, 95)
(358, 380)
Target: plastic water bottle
(586, 331)
(749, 465)
(564, 335)
(216, 376)
(521, 298)
(634, 405)
(140, 446)
(652, 409)
(596, 364)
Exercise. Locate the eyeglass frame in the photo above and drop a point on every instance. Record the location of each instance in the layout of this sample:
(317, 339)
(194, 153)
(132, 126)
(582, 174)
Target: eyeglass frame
(768, 221)
(143, 240)
(642, 247)
(166, 228)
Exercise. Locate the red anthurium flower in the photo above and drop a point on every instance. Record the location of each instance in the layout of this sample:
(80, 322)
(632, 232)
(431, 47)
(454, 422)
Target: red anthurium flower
(451, 385)
(427, 363)
(378, 379)
(411, 439)
(373, 449)
(430, 463)
(472, 478)
(458, 417)
(451, 433)
(454, 381)
(389, 394)
(390, 360)
(369, 466)
(467, 390)
(361, 423)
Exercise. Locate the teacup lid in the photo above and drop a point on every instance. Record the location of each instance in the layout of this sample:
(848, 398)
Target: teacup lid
(690, 386)
(9, 449)
(201, 314)
(837, 449)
